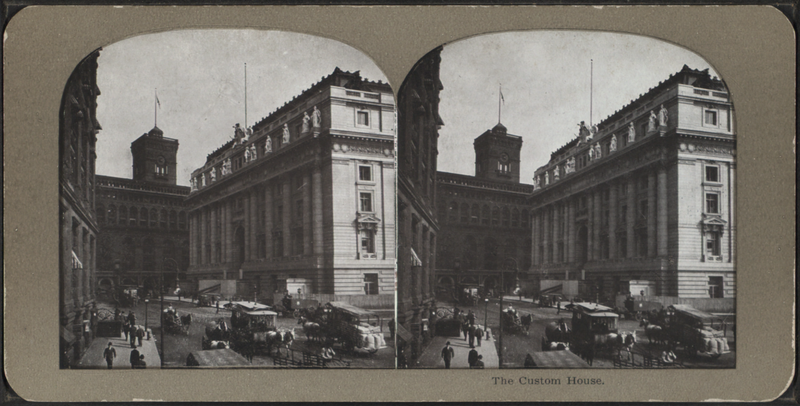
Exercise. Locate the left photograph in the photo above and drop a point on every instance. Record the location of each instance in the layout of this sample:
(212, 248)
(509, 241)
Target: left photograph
(236, 208)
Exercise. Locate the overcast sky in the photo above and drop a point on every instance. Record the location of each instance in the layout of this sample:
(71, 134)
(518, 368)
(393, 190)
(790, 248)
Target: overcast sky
(545, 77)
(200, 79)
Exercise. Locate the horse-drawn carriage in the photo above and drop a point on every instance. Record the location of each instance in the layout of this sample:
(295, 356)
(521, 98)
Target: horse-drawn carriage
(513, 323)
(174, 323)
(556, 336)
(253, 329)
(127, 296)
(596, 326)
(696, 331)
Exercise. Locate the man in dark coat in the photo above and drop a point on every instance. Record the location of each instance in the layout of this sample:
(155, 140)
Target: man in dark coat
(471, 333)
(109, 354)
(447, 354)
(478, 334)
(479, 362)
(472, 358)
(134, 358)
(471, 318)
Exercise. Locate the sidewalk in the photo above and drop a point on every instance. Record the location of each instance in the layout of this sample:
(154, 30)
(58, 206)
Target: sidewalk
(93, 358)
(432, 355)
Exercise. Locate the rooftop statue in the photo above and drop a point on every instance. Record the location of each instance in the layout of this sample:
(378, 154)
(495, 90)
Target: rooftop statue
(285, 133)
(213, 174)
(246, 154)
(598, 152)
(268, 146)
(193, 183)
(556, 173)
(613, 146)
(253, 152)
(316, 116)
(238, 133)
(663, 116)
(570, 165)
(631, 133)
(651, 125)
(306, 122)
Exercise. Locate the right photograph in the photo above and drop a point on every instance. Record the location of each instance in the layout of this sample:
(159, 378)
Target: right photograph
(565, 200)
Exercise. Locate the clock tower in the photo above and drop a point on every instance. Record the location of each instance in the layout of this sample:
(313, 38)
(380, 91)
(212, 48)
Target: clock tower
(497, 155)
(155, 158)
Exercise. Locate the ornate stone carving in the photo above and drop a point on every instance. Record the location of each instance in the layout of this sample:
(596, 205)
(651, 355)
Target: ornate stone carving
(613, 146)
(306, 122)
(246, 155)
(598, 152)
(213, 174)
(556, 173)
(570, 165)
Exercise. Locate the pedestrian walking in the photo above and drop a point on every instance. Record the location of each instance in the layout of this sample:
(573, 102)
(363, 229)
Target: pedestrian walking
(465, 329)
(471, 332)
(217, 306)
(472, 358)
(131, 318)
(478, 334)
(558, 307)
(134, 359)
(447, 354)
(140, 335)
(590, 353)
(134, 329)
(479, 362)
(109, 354)
(126, 328)
(471, 318)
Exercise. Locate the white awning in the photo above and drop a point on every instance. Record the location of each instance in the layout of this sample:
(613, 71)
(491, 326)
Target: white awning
(76, 262)
(415, 261)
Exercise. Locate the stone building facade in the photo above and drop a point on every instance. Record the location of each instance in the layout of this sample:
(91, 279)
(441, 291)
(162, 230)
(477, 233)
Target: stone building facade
(304, 199)
(78, 128)
(417, 140)
(484, 237)
(646, 198)
(143, 221)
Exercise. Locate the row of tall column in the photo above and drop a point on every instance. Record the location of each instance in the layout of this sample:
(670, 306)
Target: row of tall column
(558, 223)
(213, 231)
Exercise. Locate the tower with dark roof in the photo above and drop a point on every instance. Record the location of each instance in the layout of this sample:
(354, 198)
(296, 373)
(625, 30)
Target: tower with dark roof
(155, 158)
(497, 155)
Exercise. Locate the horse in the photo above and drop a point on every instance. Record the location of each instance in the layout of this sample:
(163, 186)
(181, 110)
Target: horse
(310, 328)
(625, 342)
(218, 331)
(653, 332)
(186, 320)
(278, 338)
(209, 344)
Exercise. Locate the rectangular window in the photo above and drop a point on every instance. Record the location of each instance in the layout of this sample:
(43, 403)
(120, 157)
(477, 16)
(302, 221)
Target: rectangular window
(712, 244)
(362, 118)
(367, 244)
(371, 283)
(365, 173)
(715, 287)
(366, 201)
(711, 117)
(712, 174)
(712, 203)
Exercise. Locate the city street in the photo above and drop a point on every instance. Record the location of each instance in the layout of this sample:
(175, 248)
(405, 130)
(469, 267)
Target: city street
(517, 346)
(177, 347)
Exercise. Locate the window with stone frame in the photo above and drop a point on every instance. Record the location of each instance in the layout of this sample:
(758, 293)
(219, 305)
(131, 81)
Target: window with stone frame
(365, 173)
(474, 214)
(715, 287)
(712, 173)
(367, 242)
(710, 117)
(712, 203)
(365, 201)
(371, 286)
(464, 213)
(485, 216)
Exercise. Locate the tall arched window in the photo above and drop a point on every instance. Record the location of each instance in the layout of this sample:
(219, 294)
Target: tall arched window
(515, 218)
(470, 253)
(123, 215)
(452, 213)
(143, 217)
(464, 213)
(133, 216)
(506, 216)
(153, 218)
(495, 216)
(475, 214)
(173, 220)
(163, 219)
(101, 214)
(112, 214)
(490, 254)
(485, 215)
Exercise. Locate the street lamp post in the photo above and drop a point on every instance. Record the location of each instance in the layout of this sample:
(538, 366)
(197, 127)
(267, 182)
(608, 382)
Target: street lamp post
(486, 316)
(146, 302)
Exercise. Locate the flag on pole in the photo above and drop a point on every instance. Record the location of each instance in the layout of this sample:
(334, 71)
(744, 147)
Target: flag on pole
(501, 95)
(158, 101)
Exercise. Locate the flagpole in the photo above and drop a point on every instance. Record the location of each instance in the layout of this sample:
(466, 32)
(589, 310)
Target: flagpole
(591, 88)
(245, 96)
(499, 97)
(155, 108)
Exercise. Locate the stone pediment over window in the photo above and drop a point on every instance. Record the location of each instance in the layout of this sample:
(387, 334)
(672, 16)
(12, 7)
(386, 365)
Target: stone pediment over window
(366, 221)
(713, 222)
